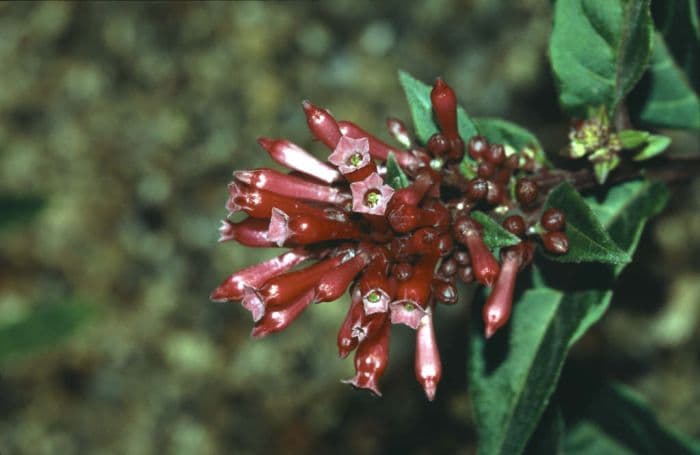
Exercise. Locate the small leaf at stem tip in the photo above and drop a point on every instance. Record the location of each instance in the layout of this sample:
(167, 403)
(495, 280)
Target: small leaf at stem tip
(631, 139)
(656, 145)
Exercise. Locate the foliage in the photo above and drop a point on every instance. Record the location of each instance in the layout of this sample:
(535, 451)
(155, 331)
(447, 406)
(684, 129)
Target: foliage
(600, 50)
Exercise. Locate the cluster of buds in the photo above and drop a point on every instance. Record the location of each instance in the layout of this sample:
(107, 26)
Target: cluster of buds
(398, 251)
(592, 138)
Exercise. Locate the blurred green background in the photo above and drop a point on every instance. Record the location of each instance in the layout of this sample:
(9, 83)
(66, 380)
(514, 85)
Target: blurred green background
(120, 125)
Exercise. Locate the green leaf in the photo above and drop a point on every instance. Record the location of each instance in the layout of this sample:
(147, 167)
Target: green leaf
(588, 240)
(41, 328)
(503, 132)
(548, 437)
(631, 139)
(513, 375)
(495, 236)
(679, 23)
(18, 210)
(657, 144)
(599, 50)
(395, 176)
(617, 421)
(418, 97)
(666, 97)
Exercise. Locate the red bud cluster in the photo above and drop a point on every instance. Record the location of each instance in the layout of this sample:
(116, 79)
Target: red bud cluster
(398, 251)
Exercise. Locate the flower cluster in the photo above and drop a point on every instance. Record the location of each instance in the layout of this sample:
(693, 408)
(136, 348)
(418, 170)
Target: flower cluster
(399, 251)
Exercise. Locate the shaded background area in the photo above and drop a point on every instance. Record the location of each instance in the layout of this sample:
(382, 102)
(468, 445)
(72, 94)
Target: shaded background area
(120, 125)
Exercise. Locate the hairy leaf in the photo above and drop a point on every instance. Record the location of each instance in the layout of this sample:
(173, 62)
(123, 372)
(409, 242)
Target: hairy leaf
(503, 132)
(666, 97)
(513, 375)
(599, 50)
(618, 421)
(395, 176)
(495, 236)
(588, 240)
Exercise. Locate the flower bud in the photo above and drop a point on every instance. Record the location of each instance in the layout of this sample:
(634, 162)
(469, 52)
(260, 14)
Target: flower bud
(495, 154)
(444, 291)
(485, 267)
(259, 203)
(255, 276)
(526, 191)
(249, 232)
(476, 146)
(299, 230)
(398, 131)
(427, 362)
(280, 318)
(477, 189)
(553, 220)
(497, 309)
(515, 224)
(444, 103)
(294, 157)
(555, 242)
(346, 341)
(322, 124)
(291, 186)
(334, 283)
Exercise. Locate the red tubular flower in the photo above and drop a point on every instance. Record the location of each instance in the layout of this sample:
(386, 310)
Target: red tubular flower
(306, 230)
(346, 340)
(377, 148)
(333, 284)
(233, 287)
(249, 232)
(444, 103)
(371, 359)
(279, 319)
(427, 363)
(394, 248)
(294, 157)
(291, 186)
(485, 266)
(497, 309)
(322, 124)
(259, 203)
(280, 290)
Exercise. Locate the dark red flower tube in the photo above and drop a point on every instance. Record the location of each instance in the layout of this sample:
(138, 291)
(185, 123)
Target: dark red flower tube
(279, 319)
(376, 288)
(496, 311)
(334, 283)
(444, 103)
(322, 124)
(259, 203)
(280, 290)
(291, 186)
(300, 230)
(249, 232)
(485, 267)
(294, 157)
(346, 339)
(371, 359)
(427, 362)
(377, 148)
(233, 287)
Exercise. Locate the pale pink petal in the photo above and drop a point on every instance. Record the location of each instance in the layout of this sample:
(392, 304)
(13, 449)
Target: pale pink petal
(406, 312)
(350, 154)
(371, 195)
